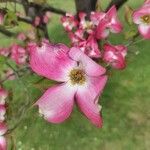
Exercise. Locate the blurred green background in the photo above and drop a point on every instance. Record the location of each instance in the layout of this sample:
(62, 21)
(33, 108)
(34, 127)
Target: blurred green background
(125, 103)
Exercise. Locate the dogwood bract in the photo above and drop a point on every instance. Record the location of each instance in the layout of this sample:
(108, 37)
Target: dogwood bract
(81, 81)
(3, 126)
(142, 18)
(115, 55)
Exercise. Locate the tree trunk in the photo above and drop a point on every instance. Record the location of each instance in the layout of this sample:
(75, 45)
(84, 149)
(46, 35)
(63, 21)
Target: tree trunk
(85, 6)
(117, 3)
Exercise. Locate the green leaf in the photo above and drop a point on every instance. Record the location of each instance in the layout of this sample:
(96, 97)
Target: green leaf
(98, 6)
(130, 34)
(40, 1)
(10, 19)
(128, 14)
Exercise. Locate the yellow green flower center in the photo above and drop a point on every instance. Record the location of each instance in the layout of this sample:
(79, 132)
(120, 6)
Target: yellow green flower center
(77, 76)
(88, 25)
(146, 19)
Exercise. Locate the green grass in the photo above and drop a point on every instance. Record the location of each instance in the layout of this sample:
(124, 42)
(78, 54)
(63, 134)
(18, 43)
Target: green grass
(125, 103)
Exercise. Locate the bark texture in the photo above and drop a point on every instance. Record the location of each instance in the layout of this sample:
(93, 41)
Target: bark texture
(117, 3)
(85, 6)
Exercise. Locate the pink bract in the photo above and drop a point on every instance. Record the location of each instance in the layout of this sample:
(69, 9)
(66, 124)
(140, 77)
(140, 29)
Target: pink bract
(3, 96)
(108, 22)
(18, 54)
(141, 17)
(90, 47)
(37, 21)
(2, 113)
(47, 16)
(69, 22)
(85, 25)
(4, 51)
(82, 82)
(115, 55)
(21, 36)
(1, 18)
(3, 143)
(3, 128)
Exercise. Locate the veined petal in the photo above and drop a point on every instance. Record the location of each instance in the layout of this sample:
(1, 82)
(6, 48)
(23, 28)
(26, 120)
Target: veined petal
(137, 17)
(119, 62)
(87, 99)
(3, 96)
(92, 48)
(112, 12)
(3, 143)
(145, 31)
(57, 103)
(2, 113)
(91, 68)
(116, 28)
(51, 61)
(102, 30)
(115, 24)
(96, 17)
(142, 11)
(3, 128)
(115, 55)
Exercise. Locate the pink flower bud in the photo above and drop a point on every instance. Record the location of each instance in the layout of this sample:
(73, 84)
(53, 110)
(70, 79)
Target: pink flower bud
(141, 17)
(21, 36)
(115, 55)
(3, 96)
(37, 21)
(18, 54)
(4, 52)
(3, 143)
(2, 113)
(3, 128)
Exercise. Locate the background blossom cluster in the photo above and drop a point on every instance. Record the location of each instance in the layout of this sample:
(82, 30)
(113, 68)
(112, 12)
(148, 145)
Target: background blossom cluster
(86, 35)
(3, 126)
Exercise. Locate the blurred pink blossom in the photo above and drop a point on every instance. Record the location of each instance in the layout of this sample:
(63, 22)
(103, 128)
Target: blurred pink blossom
(141, 17)
(4, 52)
(18, 54)
(108, 22)
(115, 55)
(21, 36)
(69, 22)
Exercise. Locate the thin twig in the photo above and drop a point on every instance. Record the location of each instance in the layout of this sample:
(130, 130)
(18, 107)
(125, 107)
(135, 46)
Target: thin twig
(6, 32)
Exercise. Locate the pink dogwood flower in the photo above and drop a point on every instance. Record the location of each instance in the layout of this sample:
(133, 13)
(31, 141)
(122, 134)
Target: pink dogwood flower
(3, 143)
(3, 126)
(47, 16)
(1, 19)
(4, 52)
(96, 17)
(69, 22)
(18, 54)
(9, 74)
(21, 36)
(82, 81)
(3, 96)
(85, 25)
(2, 113)
(115, 55)
(76, 37)
(108, 22)
(3, 130)
(37, 21)
(141, 17)
(90, 47)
